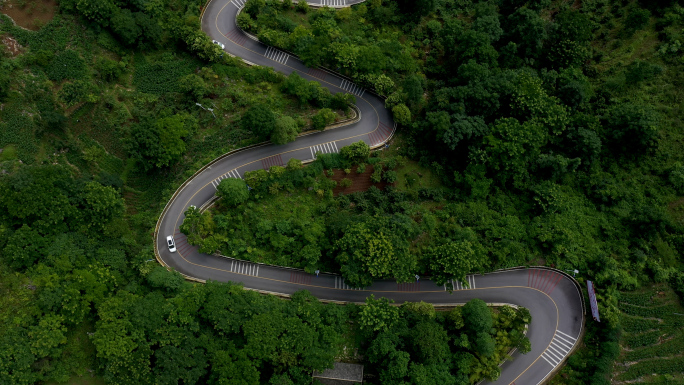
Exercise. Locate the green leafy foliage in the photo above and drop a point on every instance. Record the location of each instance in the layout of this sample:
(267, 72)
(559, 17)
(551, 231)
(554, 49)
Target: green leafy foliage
(232, 191)
(260, 120)
(415, 343)
(356, 152)
(551, 126)
(323, 117)
(285, 130)
(158, 143)
(66, 65)
(162, 76)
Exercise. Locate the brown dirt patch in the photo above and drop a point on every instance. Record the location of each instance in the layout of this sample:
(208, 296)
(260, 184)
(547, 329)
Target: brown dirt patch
(676, 204)
(30, 14)
(11, 45)
(360, 182)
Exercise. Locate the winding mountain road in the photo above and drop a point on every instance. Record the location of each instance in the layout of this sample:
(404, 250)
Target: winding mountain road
(553, 298)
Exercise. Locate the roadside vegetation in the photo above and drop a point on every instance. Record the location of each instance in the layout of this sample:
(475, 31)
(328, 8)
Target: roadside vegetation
(560, 118)
(290, 217)
(531, 132)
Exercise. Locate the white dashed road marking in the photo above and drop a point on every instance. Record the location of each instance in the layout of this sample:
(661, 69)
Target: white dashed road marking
(274, 54)
(339, 284)
(239, 3)
(244, 268)
(230, 174)
(560, 346)
(325, 148)
(457, 285)
(352, 88)
(338, 3)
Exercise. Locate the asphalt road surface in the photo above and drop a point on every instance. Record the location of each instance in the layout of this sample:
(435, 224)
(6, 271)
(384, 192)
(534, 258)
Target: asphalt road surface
(553, 298)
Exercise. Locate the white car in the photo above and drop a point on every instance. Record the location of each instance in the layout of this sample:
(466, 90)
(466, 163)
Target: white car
(171, 244)
(219, 44)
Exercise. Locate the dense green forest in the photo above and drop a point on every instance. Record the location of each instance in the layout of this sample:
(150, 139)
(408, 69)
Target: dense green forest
(553, 128)
(560, 117)
(290, 218)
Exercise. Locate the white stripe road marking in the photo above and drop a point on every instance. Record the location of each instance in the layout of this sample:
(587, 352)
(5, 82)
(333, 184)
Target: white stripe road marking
(325, 148)
(552, 357)
(557, 350)
(276, 55)
(239, 3)
(340, 284)
(554, 349)
(542, 356)
(245, 268)
(230, 174)
(352, 88)
(562, 346)
(457, 285)
(574, 339)
(564, 341)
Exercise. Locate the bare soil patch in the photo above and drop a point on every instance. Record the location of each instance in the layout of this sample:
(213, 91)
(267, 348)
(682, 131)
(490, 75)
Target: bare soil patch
(360, 182)
(30, 14)
(11, 45)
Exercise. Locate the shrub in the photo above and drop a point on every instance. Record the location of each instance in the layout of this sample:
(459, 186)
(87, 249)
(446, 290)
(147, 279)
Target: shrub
(109, 70)
(402, 114)
(246, 23)
(193, 85)
(361, 169)
(78, 91)
(260, 120)
(346, 182)
(324, 117)
(376, 177)
(390, 176)
(341, 100)
(356, 152)
(637, 19)
(255, 178)
(391, 163)
(639, 71)
(67, 65)
(285, 130)
(302, 6)
(294, 164)
(233, 191)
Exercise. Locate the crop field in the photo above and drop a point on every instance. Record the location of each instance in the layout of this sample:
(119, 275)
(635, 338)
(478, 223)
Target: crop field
(652, 343)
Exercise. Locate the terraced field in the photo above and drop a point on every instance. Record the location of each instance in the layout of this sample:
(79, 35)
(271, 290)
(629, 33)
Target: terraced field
(652, 343)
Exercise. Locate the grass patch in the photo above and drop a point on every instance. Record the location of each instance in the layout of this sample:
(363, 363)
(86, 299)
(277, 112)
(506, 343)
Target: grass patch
(8, 153)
